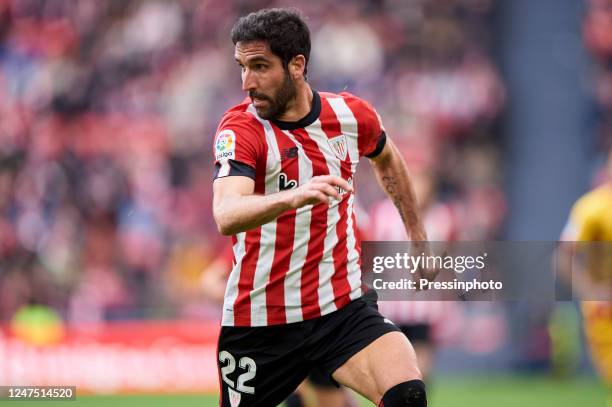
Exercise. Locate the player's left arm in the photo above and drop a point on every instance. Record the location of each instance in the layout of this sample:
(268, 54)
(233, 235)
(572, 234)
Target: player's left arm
(393, 177)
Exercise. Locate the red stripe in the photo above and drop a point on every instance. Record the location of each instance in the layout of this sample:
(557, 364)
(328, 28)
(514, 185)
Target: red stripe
(368, 125)
(329, 122)
(234, 241)
(356, 233)
(285, 232)
(318, 229)
(340, 283)
(242, 304)
(368, 130)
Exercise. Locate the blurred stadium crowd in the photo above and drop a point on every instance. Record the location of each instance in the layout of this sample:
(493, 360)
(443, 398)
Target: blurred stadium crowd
(108, 109)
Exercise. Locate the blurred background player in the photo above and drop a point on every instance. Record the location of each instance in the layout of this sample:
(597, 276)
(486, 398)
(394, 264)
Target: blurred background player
(586, 261)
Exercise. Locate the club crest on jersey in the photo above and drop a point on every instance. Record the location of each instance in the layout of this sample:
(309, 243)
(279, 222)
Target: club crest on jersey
(338, 146)
(234, 397)
(225, 145)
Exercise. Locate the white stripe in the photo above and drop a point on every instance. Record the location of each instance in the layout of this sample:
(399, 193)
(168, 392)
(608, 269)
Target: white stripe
(231, 289)
(293, 281)
(326, 266)
(259, 315)
(348, 127)
(353, 270)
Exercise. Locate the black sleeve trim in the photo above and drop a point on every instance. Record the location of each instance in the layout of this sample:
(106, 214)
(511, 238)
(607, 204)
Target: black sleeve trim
(380, 144)
(236, 168)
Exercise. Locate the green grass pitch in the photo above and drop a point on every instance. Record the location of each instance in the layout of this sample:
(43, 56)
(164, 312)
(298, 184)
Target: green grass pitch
(456, 392)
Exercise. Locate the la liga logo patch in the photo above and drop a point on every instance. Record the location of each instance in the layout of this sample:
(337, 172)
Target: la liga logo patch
(225, 145)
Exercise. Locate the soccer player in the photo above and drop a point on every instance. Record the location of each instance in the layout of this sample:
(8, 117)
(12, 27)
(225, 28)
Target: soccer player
(591, 220)
(285, 159)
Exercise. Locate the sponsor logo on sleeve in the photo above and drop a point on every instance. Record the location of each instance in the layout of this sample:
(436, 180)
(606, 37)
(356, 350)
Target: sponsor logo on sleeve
(225, 145)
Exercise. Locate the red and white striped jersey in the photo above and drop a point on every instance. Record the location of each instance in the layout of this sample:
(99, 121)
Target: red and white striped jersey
(306, 263)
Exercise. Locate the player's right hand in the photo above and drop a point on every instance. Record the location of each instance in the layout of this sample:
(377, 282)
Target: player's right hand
(320, 189)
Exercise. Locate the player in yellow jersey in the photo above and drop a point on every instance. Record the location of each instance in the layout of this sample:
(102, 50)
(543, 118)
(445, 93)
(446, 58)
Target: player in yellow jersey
(591, 221)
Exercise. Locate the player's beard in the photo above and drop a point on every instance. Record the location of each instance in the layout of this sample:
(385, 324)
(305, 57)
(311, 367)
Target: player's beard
(278, 103)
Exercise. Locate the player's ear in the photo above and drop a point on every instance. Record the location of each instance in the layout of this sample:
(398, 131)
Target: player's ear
(296, 66)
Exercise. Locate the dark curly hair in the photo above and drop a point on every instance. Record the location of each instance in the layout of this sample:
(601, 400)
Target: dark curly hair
(283, 29)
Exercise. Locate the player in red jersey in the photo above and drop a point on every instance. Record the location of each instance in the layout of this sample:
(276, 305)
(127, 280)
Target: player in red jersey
(284, 163)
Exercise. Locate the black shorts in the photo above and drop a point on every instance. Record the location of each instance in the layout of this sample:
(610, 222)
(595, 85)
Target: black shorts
(417, 333)
(261, 366)
(318, 379)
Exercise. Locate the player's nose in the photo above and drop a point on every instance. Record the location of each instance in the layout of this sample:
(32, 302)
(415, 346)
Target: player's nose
(249, 82)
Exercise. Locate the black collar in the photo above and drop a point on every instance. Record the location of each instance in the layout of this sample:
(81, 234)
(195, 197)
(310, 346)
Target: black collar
(306, 120)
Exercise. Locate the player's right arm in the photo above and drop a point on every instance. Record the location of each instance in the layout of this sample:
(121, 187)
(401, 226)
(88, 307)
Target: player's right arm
(240, 152)
(237, 209)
